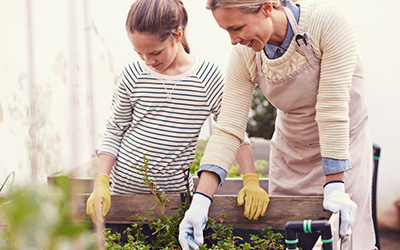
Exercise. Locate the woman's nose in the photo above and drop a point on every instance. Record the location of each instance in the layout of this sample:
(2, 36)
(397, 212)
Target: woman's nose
(234, 40)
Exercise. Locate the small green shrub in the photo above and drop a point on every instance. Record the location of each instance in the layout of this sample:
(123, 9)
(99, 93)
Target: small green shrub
(164, 231)
(217, 235)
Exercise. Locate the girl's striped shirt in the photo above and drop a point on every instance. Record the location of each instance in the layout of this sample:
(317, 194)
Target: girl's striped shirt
(159, 117)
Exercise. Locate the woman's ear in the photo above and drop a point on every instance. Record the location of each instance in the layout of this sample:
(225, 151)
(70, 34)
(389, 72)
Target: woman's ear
(266, 9)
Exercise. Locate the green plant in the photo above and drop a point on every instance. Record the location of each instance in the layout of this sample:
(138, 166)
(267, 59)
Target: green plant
(164, 231)
(113, 241)
(12, 182)
(201, 145)
(234, 170)
(262, 116)
(260, 166)
(151, 183)
(33, 218)
(268, 240)
(218, 235)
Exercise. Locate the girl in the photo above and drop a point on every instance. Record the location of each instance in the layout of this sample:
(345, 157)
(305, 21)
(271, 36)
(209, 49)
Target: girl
(158, 109)
(304, 57)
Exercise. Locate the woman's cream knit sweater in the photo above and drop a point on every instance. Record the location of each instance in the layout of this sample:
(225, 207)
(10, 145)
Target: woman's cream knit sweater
(333, 39)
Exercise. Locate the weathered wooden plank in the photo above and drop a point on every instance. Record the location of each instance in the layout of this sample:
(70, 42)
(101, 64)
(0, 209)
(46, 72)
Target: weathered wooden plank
(280, 210)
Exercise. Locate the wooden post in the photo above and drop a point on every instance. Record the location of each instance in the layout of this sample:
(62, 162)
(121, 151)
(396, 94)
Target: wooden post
(92, 124)
(73, 86)
(31, 93)
(73, 83)
(89, 68)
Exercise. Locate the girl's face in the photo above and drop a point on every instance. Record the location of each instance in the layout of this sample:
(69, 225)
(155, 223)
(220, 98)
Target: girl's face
(249, 29)
(159, 56)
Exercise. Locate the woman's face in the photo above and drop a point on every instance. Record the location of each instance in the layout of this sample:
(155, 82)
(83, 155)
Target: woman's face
(249, 29)
(159, 56)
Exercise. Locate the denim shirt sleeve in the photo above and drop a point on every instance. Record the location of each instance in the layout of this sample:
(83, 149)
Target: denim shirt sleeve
(333, 166)
(246, 140)
(215, 169)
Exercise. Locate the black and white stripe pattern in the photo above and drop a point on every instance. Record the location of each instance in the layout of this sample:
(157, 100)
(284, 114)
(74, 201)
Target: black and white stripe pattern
(145, 122)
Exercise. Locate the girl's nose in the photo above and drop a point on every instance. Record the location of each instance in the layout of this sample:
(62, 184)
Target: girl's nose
(149, 60)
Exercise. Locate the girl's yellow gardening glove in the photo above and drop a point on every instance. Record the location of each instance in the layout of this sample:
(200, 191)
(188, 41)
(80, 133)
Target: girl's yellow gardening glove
(99, 201)
(253, 196)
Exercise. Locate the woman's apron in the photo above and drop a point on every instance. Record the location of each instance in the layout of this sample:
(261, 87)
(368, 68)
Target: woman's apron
(295, 157)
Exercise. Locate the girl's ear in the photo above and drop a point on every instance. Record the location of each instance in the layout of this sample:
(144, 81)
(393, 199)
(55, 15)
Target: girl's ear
(266, 9)
(179, 34)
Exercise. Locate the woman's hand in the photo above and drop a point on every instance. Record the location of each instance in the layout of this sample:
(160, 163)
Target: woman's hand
(194, 222)
(336, 200)
(196, 217)
(254, 198)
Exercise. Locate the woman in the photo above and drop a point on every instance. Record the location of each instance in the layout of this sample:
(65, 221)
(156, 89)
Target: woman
(304, 57)
(158, 108)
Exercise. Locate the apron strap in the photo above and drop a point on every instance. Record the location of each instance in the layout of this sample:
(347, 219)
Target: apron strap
(301, 39)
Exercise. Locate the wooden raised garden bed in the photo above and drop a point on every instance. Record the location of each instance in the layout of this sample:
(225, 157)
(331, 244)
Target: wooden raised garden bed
(281, 209)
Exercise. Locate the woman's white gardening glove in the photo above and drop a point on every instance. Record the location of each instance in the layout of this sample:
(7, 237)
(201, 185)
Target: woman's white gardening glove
(335, 200)
(194, 222)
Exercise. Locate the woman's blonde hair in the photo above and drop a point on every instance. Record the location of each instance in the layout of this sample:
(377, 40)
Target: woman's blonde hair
(248, 6)
(158, 17)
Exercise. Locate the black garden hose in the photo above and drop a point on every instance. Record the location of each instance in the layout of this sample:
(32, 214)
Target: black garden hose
(377, 155)
(308, 226)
